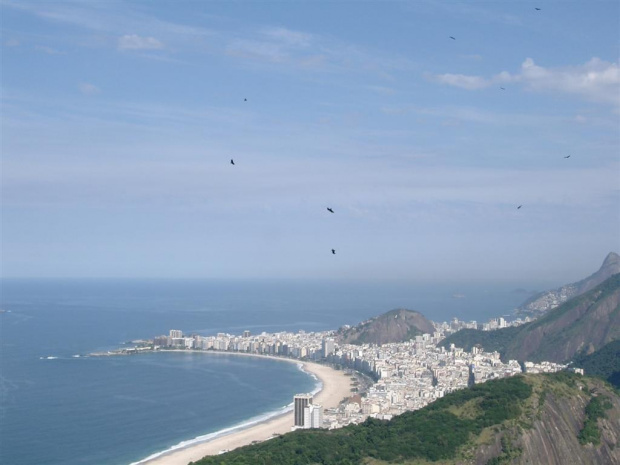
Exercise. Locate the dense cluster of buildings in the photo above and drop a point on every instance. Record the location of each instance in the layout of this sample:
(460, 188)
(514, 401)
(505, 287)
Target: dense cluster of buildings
(491, 325)
(408, 375)
(549, 300)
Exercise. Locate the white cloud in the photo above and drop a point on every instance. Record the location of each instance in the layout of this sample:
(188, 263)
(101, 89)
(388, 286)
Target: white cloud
(88, 89)
(12, 43)
(257, 50)
(294, 38)
(311, 51)
(49, 50)
(596, 80)
(463, 81)
(135, 42)
(276, 45)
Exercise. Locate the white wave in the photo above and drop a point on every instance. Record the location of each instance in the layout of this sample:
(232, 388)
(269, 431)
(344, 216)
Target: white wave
(51, 358)
(319, 384)
(223, 432)
(235, 428)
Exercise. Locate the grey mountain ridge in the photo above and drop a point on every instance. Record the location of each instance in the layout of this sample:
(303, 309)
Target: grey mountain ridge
(542, 302)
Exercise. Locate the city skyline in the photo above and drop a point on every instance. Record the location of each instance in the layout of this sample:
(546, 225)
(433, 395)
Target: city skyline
(120, 120)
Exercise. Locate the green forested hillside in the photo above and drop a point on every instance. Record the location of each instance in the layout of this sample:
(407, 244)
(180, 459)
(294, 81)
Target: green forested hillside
(553, 419)
(433, 433)
(493, 341)
(586, 322)
(604, 363)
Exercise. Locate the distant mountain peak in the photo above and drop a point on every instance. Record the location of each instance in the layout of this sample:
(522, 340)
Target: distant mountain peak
(612, 259)
(544, 301)
(610, 266)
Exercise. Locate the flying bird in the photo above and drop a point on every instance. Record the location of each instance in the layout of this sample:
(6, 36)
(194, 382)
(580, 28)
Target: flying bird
(567, 156)
(232, 162)
(453, 38)
(537, 9)
(334, 251)
(519, 207)
(502, 88)
(245, 99)
(330, 210)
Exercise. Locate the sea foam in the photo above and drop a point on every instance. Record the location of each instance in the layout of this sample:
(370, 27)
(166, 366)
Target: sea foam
(235, 428)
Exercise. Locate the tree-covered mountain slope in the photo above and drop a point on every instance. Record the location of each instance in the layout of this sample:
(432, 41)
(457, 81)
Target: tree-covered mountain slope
(553, 419)
(584, 324)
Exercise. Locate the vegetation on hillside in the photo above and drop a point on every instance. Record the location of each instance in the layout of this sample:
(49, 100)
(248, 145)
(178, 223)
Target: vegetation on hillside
(593, 317)
(436, 432)
(492, 341)
(590, 433)
(604, 363)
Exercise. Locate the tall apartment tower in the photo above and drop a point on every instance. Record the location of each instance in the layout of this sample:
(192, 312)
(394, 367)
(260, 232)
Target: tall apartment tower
(313, 416)
(176, 333)
(301, 402)
(328, 347)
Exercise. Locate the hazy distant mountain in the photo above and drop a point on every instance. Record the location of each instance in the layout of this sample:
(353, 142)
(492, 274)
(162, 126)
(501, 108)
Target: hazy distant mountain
(553, 419)
(544, 301)
(582, 325)
(394, 326)
(610, 267)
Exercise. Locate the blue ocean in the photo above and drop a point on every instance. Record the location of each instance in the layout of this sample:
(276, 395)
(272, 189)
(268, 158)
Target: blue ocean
(59, 407)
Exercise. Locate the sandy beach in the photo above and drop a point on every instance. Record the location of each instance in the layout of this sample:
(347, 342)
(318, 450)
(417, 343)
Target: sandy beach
(336, 386)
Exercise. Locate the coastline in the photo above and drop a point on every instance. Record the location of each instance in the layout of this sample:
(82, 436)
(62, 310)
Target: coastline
(335, 386)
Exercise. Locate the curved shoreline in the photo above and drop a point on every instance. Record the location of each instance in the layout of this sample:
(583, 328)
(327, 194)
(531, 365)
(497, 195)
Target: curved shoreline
(335, 386)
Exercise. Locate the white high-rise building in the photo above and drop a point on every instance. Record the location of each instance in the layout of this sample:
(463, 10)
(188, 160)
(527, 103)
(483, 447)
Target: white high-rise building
(328, 346)
(176, 333)
(313, 416)
(301, 402)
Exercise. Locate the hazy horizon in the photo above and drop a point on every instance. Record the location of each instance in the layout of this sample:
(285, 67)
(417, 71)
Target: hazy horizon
(119, 121)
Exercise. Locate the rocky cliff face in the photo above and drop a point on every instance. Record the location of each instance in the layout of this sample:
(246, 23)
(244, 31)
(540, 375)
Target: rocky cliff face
(394, 326)
(551, 426)
(543, 302)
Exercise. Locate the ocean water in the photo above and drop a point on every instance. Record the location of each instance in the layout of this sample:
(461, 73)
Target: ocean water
(56, 408)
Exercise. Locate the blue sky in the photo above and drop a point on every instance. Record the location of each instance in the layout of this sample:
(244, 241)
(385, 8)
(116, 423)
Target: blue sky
(119, 120)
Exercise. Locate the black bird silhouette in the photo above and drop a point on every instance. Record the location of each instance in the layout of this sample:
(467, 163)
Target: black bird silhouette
(232, 162)
(330, 210)
(453, 38)
(519, 207)
(334, 251)
(502, 88)
(245, 99)
(567, 156)
(537, 9)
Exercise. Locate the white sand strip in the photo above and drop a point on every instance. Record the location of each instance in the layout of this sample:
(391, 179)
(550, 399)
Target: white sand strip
(336, 386)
